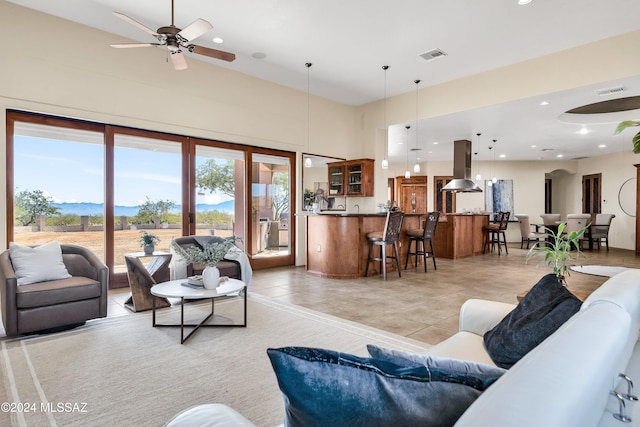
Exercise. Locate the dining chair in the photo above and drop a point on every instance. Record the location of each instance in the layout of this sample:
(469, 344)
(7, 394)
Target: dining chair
(421, 236)
(600, 228)
(526, 233)
(550, 219)
(575, 222)
(389, 236)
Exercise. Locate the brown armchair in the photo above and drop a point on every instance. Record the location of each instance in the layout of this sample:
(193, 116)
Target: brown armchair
(56, 303)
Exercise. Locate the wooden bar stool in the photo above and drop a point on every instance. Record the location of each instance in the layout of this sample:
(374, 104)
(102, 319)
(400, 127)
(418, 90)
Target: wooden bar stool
(389, 236)
(421, 236)
(496, 229)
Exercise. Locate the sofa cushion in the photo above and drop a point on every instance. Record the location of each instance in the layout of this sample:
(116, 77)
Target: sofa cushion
(471, 373)
(37, 264)
(328, 388)
(539, 314)
(57, 292)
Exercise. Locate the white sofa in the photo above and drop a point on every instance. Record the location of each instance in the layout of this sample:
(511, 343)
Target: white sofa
(565, 381)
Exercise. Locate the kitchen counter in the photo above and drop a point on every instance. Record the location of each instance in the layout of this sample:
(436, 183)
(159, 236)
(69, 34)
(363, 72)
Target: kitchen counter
(337, 246)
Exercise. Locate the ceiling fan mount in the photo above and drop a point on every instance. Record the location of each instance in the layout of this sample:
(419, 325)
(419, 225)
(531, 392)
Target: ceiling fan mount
(176, 40)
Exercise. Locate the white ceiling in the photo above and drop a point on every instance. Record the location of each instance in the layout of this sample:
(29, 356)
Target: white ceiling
(349, 41)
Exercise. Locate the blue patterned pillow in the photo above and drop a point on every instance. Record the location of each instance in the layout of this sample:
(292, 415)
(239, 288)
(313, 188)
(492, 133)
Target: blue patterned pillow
(329, 388)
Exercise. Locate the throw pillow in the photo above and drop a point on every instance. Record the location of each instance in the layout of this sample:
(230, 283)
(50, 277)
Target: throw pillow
(328, 388)
(477, 375)
(37, 264)
(539, 314)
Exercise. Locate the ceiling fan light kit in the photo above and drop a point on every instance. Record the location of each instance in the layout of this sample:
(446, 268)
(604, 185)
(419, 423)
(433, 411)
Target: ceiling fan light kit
(177, 40)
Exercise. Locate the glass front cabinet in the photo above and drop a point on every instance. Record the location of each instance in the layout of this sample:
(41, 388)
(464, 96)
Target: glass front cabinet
(351, 178)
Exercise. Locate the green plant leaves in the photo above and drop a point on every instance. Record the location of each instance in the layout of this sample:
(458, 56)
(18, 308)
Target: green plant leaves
(636, 139)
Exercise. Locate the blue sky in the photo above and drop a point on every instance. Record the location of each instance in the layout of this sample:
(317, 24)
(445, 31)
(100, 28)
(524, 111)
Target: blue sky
(74, 172)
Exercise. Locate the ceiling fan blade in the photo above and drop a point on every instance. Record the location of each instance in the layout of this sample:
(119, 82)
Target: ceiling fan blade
(179, 61)
(135, 23)
(212, 53)
(195, 29)
(128, 45)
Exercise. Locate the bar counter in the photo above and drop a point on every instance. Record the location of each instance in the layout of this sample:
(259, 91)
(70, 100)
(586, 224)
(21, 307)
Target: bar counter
(337, 246)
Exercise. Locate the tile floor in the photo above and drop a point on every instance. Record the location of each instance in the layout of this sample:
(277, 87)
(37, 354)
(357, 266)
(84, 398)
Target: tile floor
(423, 306)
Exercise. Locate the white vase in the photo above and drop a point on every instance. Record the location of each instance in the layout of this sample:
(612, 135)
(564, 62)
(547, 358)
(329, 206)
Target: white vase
(210, 277)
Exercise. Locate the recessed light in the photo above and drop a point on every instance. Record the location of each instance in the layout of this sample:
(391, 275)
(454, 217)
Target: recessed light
(560, 155)
(502, 156)
(543, 103)
(435, 143)
(217, 40)
(602, 146)
(523, 2)
(258, 55)
(534, 146)
(583, 131)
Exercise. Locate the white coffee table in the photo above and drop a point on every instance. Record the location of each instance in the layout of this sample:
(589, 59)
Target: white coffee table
(175, 289)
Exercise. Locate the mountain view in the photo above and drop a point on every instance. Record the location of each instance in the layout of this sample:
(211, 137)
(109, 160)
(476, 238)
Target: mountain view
(97, 208)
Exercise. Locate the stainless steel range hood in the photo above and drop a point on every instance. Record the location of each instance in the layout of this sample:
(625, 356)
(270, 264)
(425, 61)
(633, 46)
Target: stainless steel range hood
(461, 182)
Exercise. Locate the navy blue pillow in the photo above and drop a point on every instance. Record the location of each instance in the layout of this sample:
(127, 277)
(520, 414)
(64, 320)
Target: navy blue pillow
(329, 388)
(539, 314)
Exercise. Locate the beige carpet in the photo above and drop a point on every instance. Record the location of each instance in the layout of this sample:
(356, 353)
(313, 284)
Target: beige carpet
(123, 372)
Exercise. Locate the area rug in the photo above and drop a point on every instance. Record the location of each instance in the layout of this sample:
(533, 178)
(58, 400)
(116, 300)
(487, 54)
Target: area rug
(599, 270)
(123, 372)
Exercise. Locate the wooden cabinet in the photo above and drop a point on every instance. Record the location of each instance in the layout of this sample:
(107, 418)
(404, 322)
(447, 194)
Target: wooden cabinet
(351, 178)
(412, 194)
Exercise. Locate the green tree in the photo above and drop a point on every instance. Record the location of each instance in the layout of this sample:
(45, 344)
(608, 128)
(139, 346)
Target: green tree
(30, 204)
(280, 194)
(215, 176)
(151, 209)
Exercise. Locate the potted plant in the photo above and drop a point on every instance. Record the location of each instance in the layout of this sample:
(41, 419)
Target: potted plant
(209, 255)
(148, 242)
(559, 249)
(636, 138)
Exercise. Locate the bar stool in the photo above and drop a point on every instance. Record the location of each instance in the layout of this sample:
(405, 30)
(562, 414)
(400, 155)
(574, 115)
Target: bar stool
(495, 230)
(421, 236)
(389, 236)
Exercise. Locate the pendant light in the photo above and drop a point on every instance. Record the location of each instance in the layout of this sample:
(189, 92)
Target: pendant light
(494, 179)
(307, 161)
(407, 174)
(478, 176)
(416, 167)
(490, 181)
(385, 162)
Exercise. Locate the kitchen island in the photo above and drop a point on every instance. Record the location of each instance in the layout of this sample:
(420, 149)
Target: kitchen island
(337, 246)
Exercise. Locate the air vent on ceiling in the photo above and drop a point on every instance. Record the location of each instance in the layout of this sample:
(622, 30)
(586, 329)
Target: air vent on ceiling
(433, 54)
(610, 91)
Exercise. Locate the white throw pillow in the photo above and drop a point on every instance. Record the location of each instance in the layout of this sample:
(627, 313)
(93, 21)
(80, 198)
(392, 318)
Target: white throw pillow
(38, 264)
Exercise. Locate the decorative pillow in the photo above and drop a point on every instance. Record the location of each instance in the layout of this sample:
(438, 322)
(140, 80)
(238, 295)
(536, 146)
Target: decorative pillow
(328, 388)
(38, 264)
(473, 374)
(539, 314)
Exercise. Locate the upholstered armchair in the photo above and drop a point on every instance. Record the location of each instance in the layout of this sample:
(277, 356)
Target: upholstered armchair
(54, 303)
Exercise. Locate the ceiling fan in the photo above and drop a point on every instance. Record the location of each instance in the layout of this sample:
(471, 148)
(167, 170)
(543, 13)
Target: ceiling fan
(177, 40)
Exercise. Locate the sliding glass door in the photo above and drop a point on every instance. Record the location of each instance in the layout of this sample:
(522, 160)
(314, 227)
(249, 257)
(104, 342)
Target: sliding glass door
(219, 207)
(271, 208)
(56, 183)
(147, 191)
(101, 186)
